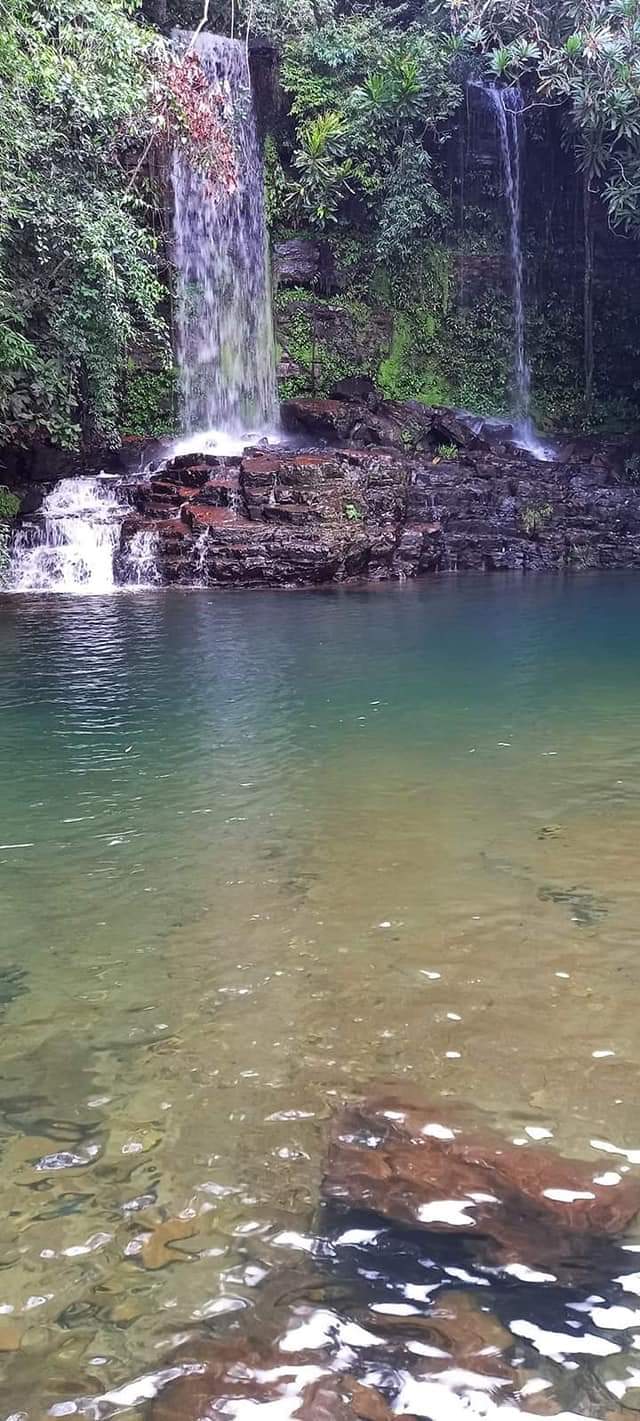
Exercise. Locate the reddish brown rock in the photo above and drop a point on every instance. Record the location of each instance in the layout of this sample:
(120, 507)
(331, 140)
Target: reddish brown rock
(219, 1374)
(205, 515)
(415, 1165)
(377, 501)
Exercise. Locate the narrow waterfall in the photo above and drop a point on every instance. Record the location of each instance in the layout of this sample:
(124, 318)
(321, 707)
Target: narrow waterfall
(224, 329)
(71, 545)
(508, 105)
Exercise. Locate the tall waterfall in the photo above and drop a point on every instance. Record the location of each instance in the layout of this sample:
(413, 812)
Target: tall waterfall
(508, 105)
(224, 329)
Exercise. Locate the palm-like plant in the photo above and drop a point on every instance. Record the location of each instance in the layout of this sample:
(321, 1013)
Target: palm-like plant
(322, 168)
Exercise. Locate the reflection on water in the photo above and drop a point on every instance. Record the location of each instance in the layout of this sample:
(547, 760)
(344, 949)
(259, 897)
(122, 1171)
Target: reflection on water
(258, 851)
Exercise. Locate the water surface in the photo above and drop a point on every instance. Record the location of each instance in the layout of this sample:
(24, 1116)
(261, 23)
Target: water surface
(259, 850)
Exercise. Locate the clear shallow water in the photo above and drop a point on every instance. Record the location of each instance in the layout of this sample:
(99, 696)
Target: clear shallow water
(241, 834)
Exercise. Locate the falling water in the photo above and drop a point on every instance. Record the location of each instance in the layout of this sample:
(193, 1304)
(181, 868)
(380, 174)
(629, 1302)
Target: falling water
(224, 332)
(138, 564)
(507, 103)
(70, 547)
(225, 350)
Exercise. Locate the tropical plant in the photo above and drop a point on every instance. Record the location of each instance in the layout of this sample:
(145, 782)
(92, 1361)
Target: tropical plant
(370, 93)
(77, 278)
(535, 518)
(410, 205)
(583, 55)
(322, 171)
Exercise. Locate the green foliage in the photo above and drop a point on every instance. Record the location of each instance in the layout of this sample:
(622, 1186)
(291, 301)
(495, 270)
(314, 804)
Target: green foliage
(368, 93)
(9, 503)
(352, 513)
(322, 170)
(326, 340)
(4, 553)
(535, 518)
(275, 183)
(583, 54)
(77, 263)
(420, 337)
(410, 206)
(148, 403)
(447, 451)
(9, 507)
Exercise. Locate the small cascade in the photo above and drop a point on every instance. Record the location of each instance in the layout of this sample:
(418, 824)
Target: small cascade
(508, 105)
(200, 559)
(224, 327)
(70, 547)
(138, 564)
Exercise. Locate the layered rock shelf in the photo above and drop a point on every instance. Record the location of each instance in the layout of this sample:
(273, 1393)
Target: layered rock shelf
(377, 490)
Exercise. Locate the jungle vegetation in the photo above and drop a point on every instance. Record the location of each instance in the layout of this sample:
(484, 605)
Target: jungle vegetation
(91, 96)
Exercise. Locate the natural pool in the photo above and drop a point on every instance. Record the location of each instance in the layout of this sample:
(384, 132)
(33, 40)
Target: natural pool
(259, 850)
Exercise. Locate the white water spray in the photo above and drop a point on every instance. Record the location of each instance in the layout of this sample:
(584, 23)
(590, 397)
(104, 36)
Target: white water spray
(138, 564)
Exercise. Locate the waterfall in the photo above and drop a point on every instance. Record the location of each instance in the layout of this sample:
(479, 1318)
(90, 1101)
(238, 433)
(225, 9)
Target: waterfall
(507, 104)
(70, 547)
(508, 107)
(224, 330)
(224, 344)
(138, 563)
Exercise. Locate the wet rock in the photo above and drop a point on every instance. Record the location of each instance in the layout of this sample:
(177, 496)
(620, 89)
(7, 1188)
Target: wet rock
(193, 472)
(356, 387)
(11, 1334)
(200, 516)
(449, 428)
(14, 983)
(296, 262)
(374, 497)
(585, 908)
(218, 1377)
(361, 422)
(415, 1165)
(323, 419)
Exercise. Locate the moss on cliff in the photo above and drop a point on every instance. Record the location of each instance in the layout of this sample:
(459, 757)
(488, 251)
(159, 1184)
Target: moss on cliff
(440, 331)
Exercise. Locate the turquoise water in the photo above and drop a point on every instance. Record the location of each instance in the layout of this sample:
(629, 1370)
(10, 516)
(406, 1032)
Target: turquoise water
(257, 851)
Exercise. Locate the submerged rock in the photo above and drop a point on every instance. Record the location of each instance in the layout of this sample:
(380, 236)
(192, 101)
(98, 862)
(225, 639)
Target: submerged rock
(414, 1165)
(234, 1375)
